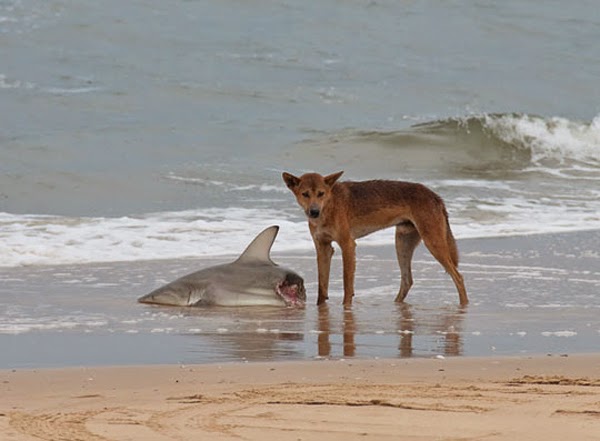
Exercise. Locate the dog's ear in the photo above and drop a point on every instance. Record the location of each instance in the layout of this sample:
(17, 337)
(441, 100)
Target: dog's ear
(290, 180)
(332, 178)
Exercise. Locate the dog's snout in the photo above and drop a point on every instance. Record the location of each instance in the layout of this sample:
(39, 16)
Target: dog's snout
(314, 212)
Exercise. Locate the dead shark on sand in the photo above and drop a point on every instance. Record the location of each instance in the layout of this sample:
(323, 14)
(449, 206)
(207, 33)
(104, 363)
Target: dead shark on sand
(252, 279)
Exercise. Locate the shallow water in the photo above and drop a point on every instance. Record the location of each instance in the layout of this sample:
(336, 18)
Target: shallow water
(528, 295)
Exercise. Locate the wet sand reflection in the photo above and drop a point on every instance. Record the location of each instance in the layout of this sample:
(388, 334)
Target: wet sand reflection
(442, 327)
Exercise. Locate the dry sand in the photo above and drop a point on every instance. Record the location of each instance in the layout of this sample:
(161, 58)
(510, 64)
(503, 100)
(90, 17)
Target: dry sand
(516, 398)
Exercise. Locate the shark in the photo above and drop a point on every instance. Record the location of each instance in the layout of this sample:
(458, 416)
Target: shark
(253, 279)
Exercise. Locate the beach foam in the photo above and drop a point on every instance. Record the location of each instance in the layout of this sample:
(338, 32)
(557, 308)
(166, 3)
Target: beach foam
(556, 138)
(50, 240)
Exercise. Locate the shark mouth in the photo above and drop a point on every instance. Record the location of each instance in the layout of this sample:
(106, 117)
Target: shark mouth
(291, 290)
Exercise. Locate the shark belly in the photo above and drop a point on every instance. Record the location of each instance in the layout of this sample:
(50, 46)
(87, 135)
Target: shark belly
(247, 297)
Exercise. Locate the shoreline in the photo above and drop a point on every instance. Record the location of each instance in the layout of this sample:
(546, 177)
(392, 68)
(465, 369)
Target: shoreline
(500, 398)
(309, 253)
(529, 295)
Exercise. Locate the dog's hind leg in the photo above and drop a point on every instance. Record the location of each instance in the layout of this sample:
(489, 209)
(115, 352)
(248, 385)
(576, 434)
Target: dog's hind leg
(459, 283)
(436, 241)
(407, 239)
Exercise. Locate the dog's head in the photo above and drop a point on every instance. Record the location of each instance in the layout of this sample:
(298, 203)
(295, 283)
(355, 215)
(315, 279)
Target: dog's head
(312, 191)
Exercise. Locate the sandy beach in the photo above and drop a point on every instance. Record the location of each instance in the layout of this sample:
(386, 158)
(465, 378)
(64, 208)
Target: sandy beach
(524, 398)
(520, 363)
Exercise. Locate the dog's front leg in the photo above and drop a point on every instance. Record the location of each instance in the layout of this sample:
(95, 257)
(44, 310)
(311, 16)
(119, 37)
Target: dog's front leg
(348, 247)
(324, 253)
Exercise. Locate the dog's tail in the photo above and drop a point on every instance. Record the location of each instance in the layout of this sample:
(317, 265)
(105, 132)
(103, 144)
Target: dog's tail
(451, 241)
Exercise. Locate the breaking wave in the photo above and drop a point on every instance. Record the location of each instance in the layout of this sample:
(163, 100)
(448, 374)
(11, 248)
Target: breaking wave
(481, 142)
(500, 174)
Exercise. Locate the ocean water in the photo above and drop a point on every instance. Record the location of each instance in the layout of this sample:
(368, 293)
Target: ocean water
(149, 130)
(136, 131)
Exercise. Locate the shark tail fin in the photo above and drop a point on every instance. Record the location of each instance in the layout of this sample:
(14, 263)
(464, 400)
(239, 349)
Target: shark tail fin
(259, 249)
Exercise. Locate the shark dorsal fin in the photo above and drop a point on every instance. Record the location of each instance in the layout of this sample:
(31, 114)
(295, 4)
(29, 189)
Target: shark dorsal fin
(259, 249)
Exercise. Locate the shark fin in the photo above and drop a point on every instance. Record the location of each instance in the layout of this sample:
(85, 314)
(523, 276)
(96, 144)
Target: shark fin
(260, 248)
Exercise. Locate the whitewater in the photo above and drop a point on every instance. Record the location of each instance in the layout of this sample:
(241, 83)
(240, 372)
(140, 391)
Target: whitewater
(533, 175)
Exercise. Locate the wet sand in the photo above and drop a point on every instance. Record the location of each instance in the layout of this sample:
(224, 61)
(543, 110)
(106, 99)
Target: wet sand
(524, 398)
(376, 371)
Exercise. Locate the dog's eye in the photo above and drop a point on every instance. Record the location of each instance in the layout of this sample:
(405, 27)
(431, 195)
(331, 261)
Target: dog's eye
(320, 194)
(305, 194)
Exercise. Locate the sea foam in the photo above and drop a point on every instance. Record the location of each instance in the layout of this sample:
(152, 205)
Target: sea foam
(555, 138)
(52, 240)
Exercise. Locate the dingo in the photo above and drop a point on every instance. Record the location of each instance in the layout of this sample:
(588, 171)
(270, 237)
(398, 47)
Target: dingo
(345, 211)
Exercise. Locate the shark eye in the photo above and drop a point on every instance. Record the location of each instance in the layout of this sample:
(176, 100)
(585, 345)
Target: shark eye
(305, 194)
(320, 194)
